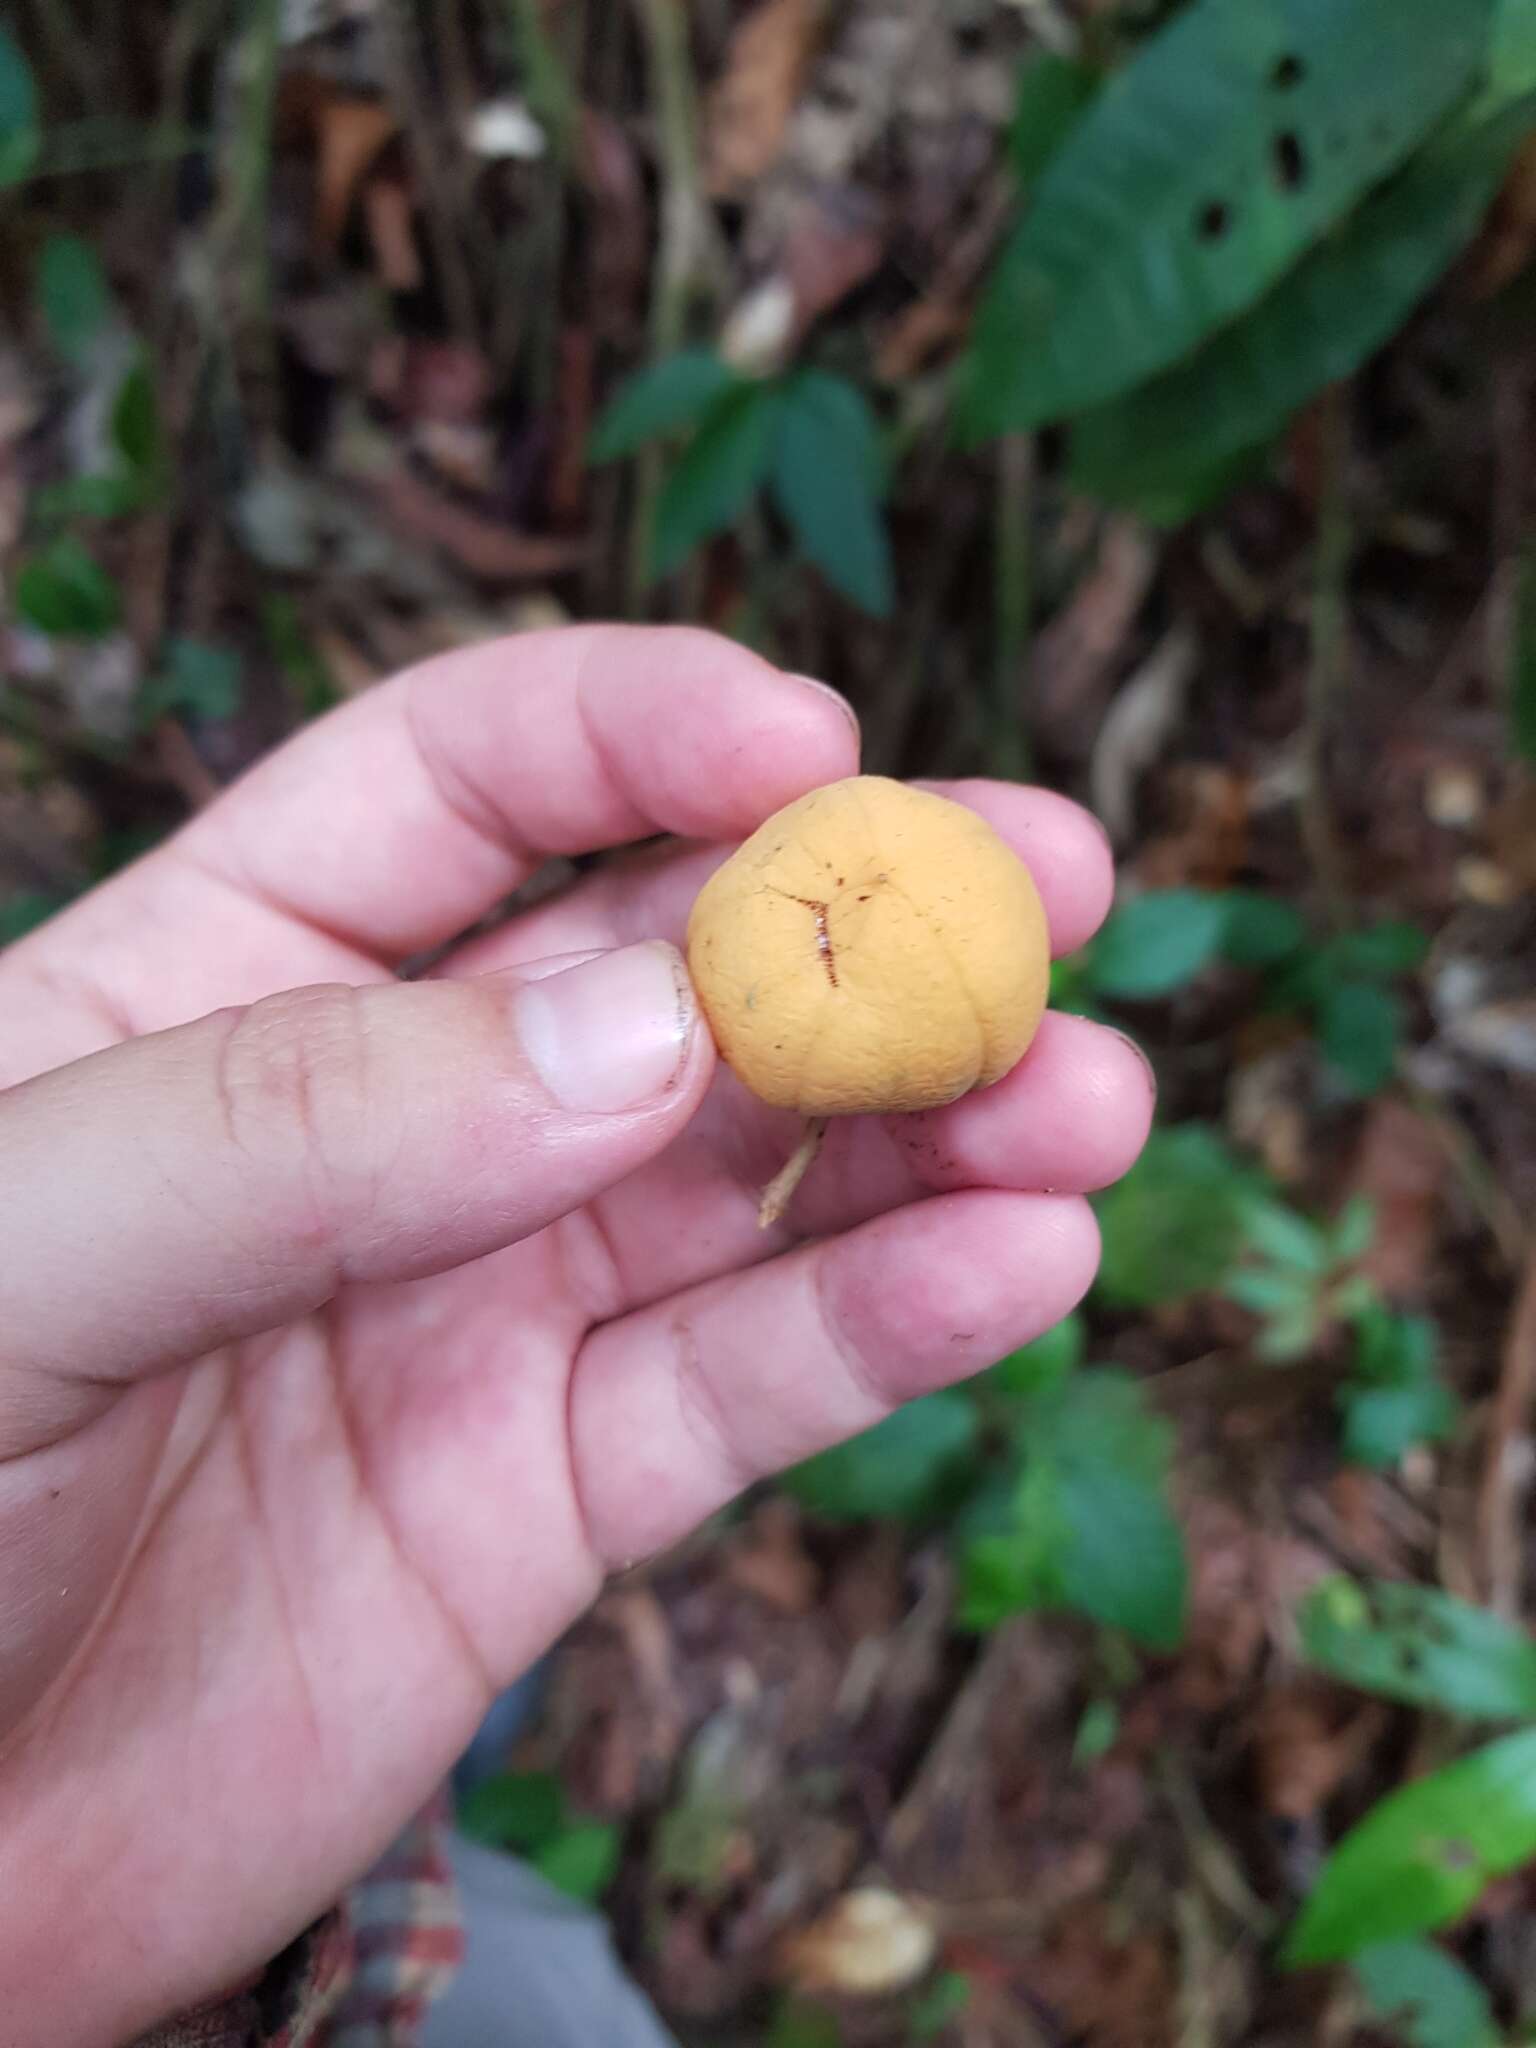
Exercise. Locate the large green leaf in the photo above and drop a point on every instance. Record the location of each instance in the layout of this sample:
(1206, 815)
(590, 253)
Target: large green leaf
(1242, 133)
(1421, 1646)
(1423, 1855)
(1430, 1998)
(20, 130)
(827, 474)
(1157, 943)
(905, 1467)
(1053, 93)
(716, 474)
(668, 398)
(1512, 61)
(1340, 304)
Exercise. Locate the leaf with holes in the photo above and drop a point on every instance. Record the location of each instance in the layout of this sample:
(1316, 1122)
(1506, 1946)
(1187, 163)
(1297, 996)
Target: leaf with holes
(1341, 303)
(671, 397)
(1421, 1646)
(827, 477)
(1053, 94)
(1198, 178)
(716, 475)
(1424, 1855)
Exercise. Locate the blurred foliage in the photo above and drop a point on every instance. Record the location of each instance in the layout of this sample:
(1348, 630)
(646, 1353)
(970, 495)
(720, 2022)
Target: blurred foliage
(526, 1811)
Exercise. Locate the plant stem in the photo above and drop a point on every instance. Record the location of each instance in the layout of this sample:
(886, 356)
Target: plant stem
(1014, 594)
(780, 1191)
(1327, 671)
(682, 237)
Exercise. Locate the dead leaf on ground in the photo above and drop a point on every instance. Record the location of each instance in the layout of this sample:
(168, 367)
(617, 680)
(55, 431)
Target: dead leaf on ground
(867, 1944)
(1306, 1741)
(476, 541)
(1400, 1167)
(1111, 1992)
(1073, 663)
(350, 136)
(770, 1560)
(750, 106)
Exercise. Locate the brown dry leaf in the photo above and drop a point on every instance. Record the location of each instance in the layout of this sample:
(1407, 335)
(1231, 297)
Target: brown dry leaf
(1074, 661)
(1509, 239)
(391, 218)
(1113, 1993)
(1209, 843)
(751, 103)
(1306, 1744)
(834, 241)
(483, 545)
(1401, 1169)
(867, 1944)
(350, 136)
(770, 1560)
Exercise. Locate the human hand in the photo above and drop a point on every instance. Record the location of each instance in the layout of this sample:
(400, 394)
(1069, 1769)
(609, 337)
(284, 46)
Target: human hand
(348, 1337)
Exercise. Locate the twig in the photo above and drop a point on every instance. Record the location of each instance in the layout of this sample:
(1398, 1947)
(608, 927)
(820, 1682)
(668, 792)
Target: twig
(1506, 1477)
(780, 1191)
(433, 174)
(682, 237)
(1326, 672)
(1014, 597)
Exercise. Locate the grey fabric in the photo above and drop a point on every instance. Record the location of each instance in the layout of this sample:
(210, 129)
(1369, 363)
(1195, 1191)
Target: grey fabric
(539, 1971)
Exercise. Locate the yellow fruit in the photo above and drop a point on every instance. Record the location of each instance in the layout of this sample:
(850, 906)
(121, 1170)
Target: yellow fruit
(871, 948)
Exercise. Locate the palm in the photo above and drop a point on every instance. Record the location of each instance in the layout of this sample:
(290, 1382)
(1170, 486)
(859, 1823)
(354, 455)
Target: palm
(342, 1539)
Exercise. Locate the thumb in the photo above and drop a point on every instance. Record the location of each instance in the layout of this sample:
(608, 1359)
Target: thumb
(206, 1183)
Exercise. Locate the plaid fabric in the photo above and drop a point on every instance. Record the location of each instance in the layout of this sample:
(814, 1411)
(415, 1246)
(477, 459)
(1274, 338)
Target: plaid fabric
(364, 1976)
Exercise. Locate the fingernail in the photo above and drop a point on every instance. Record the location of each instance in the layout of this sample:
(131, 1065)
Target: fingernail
(612, 1033)
(837, 697)
(1125, 1038)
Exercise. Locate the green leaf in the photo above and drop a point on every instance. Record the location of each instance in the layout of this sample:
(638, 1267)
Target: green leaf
(1384, 949)
(1157, 943)
(74, 296)
(581, 1860)
(1199, 176)
(799, 2025)
(1421, 1646)
(1090, 1527)
(90, 497)
(1512, 51)
(1097, 1731)
(1173, 1226)
(198, 679)
(827, 473)
(1393, 1350)
(905, 1467)
(938, 2003)
(1354, 1229)
(716, 475)
(1360, 1027)
(1341, 303)
(24, 913)
(1522, 658)
(522, 1810)
(20, 128)
(1381, 1424)
(1053, 93)
(1423, 1856)
(1267, 1291)
(65, 592)
(1286, 1239)
(1051, 1359)
(1426, 1995)
(136, 422)
(670, 397)
(1260, 931)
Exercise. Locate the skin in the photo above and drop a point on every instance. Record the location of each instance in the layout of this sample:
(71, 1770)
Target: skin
(338, 1363)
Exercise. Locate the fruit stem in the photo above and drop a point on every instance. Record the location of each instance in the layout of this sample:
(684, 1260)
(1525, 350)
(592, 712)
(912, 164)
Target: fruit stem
(780, 1191)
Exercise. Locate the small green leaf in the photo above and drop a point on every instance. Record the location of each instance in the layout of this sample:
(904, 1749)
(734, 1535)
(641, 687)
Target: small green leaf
(1173, 1226)
(136, 422)
(1385, 949)
(1266, 1291)
(20, 128)
(671, 397)
(1157, 943)
(1354, 1230)
(827, 473)
(522, 1810)
(65, 592)
(74, 296)
(581, 1860)
(1522, 657)
(905, 1467)
(1423, 1855)
(1286, 1239)
(1360, 1027)
(1260, 931)
(1097, 1731)
(1382, 1424)
(1425, 1994)
(716, 475)
(90, 497)
(196, 679)
(1201, 174)
(938, 2003)
(1054, 91)
(1051, 1359)
(1421, 1646)
(797, 2024)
